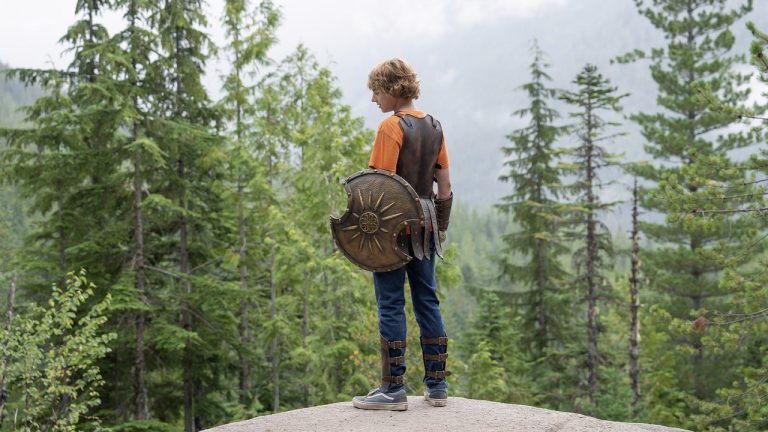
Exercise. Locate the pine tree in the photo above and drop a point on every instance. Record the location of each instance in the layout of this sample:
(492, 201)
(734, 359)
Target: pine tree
(742, 327)
(543, 303)
(594, 96)
(64, 160)
(68, 163)
(316, 142)
(691, 146)
(532, 167)
(250, 33)
(332, 145)
(195, 156)
(137, 43)
(89, 128)
(634, 305)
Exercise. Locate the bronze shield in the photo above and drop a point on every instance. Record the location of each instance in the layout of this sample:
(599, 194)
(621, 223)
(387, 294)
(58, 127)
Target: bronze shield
(371, 232)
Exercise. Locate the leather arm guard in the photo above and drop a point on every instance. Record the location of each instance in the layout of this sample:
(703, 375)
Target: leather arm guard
(443, 207)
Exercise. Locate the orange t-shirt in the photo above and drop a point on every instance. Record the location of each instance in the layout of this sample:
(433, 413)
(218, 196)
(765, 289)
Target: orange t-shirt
(389, 139)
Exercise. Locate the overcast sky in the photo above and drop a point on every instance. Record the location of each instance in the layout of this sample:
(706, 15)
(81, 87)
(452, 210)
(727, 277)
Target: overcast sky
(471, 56)
(349, 36)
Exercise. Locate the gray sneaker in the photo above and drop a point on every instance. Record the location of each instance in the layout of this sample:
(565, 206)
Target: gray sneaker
(376, 399)
(436, 398)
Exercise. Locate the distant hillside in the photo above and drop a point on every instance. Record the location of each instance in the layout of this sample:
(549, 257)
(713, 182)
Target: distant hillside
(13, 219)
(14, 95)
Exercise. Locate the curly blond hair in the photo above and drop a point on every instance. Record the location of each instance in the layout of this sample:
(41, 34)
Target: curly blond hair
(394, 77)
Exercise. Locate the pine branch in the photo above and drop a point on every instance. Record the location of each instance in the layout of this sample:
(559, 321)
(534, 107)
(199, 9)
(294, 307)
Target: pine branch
(738, 185)
(211, 261)
(743, 116)
(742, 317)
(165, 272)
(749, 195)
(727, 417)
(723, 211)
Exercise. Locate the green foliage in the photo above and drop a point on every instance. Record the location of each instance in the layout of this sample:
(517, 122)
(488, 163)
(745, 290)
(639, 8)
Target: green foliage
(757, 49)
(468, 268)
(321, 144)
(692, 168)
(592, 259)
(144, 426)
(496, 369)
(531, 162)
(204, 225)
(53, 356)
(532, 258)
(737, 332)
(486, 379)
(63, 158)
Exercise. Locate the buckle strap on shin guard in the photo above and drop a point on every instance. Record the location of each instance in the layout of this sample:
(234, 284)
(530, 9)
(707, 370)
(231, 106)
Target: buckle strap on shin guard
(443, 340)
(392, 379)
(436, 357)
(438, 374)
(387, 361)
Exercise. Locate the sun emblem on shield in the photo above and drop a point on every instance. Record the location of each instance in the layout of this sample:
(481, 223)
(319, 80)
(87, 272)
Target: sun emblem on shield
(380, 207)
(368, 225)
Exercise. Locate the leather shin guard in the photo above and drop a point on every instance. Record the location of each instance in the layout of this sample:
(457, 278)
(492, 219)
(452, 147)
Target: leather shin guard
(437, 362)
(387, 361)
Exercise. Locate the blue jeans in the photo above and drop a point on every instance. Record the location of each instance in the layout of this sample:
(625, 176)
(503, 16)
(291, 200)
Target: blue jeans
(390, 296)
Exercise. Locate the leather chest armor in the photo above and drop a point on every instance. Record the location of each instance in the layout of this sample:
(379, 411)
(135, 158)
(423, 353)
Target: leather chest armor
(422, 139)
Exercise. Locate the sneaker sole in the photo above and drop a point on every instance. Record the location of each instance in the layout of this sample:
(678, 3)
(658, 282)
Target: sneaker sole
(436, 402)
(402, 406)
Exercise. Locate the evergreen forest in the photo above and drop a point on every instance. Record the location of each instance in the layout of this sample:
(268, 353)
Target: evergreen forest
(167, 264)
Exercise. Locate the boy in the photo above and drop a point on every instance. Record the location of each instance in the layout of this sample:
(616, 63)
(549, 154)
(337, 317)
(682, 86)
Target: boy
(411, 144)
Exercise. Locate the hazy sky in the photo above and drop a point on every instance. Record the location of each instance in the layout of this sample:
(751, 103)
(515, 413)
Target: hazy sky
(471, 57)
(350, 36)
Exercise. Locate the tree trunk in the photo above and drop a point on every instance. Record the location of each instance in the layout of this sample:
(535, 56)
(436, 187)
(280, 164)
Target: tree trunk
(245, 336)
(542, 339)
(61, 240)
(186, 316)
(698, 359)
(139, 387)
(274, 351)
(305, 334)
(542, 336)
(186, 285)
(4, 359)
(593, 258)
(65, 398)
(634, 307)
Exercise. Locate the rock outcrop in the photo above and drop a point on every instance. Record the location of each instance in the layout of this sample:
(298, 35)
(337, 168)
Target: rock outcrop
(460, 415)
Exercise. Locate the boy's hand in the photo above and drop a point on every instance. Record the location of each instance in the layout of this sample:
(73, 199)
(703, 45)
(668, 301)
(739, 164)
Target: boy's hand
(442, 235)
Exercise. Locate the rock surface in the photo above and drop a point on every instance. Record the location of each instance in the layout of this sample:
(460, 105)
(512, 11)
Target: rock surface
(460, 415)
